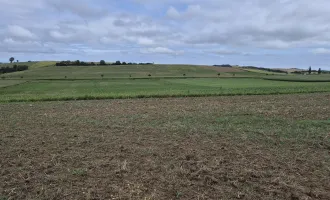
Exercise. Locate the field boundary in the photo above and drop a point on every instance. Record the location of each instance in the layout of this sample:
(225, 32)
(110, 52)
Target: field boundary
(264, 72)
(135, 78)
(148, 96)
(295, 80)
(27, 81)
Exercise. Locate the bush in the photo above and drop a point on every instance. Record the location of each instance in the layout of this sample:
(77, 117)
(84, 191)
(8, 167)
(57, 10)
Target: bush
(225, 65)
(102, 62)
(14, 68)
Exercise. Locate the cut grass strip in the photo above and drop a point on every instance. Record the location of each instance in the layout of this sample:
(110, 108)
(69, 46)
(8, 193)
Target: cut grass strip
(136, 96)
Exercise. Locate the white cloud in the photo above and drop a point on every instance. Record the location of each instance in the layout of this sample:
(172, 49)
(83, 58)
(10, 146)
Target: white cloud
(60, 36)
(227, 52)
(193, 9)
(173, 13)
(145, 41)
(161, 50)
(15, 46)
(20, 32)
(321, 51)
(168, 27)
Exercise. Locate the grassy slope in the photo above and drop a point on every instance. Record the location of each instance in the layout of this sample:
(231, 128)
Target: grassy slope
(302, 78)
(32, 65)
(125, 88)
(262, 71)
(6, 83)
(95, 88)
(95, 72)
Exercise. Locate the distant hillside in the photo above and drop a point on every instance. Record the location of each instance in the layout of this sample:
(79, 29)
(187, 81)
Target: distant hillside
(31, 65)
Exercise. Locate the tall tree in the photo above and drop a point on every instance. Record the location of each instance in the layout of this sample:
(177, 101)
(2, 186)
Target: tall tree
(309, 70)
(11, 59)
(320, 71)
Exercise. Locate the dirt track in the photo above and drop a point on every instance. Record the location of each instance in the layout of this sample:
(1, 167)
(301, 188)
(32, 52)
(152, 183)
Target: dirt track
(180, 148)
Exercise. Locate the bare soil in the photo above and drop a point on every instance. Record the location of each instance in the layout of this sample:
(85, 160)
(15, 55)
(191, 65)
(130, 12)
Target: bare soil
(175, 148)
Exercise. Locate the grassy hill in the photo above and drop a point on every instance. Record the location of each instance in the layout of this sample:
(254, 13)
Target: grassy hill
(44, 81)
(32, 65)
(40, 71)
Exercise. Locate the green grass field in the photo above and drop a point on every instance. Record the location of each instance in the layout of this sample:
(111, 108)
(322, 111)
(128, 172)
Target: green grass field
(6, 83)
(143, 88)
(302, 78)
(95, 72)
(44, 81)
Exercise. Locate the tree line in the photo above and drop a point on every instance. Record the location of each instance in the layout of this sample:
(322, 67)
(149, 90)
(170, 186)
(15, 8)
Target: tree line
(14, 68)
(310, 71)
(101, 63)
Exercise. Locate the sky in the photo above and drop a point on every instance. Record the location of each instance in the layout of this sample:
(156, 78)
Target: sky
(263, 33)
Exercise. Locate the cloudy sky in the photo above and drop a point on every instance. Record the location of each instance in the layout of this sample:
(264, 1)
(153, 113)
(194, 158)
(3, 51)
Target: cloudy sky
(267, 33)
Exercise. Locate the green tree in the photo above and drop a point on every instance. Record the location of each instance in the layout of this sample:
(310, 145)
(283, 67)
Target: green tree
(320, 71)
(102, 62)
(11, 59)
(309, 70)
(118, 63)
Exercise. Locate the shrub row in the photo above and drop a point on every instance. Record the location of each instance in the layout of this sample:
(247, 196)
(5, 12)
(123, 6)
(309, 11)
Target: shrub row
(15, 68)
(102, 62)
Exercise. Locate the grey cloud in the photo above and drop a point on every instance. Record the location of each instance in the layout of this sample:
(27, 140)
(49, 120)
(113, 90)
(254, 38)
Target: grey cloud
(173, 26)
(161, 50)
(295, 24)
(81, 8)
(226, 52)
